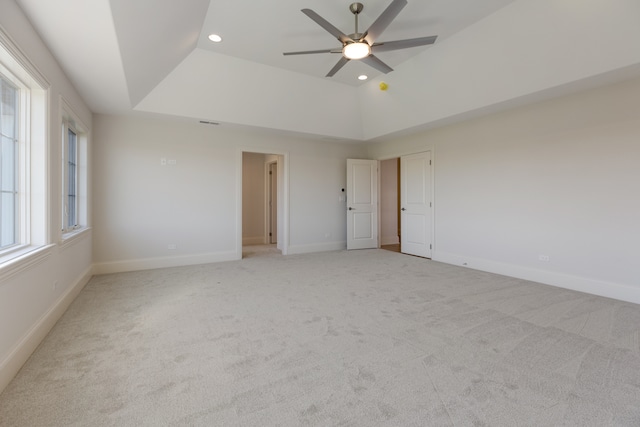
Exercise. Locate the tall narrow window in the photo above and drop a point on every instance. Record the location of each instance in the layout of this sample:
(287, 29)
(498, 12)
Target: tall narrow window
(9, 132)
(23, 160)
(70, 180)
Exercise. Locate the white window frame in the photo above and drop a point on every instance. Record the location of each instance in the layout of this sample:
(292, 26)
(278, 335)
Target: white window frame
(69, 178)
(32, 211)
(70, 121)
(18, 148)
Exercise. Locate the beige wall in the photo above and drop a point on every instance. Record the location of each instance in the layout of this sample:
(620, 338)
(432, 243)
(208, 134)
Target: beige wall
(141, 206)
(35, 290)
(557, 179)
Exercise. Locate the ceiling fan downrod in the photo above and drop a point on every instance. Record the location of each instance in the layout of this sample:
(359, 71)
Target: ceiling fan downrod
(356, 8)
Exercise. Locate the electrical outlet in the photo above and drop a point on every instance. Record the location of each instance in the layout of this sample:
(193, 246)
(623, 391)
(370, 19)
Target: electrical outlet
(163, 162)
(172, 162)
(172, 246)
(543, 258)
(54, 286)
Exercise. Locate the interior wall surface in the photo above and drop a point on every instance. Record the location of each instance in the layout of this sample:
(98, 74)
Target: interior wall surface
(34, 296)
(508, 58)
(142, 205)
(546, 192)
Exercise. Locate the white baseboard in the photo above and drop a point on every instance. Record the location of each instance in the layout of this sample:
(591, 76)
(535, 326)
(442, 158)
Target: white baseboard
(582, 284)
(322, 247)
(10, 366)
(162, 262)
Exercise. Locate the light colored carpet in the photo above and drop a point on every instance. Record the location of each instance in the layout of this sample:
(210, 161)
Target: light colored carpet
(362, 338)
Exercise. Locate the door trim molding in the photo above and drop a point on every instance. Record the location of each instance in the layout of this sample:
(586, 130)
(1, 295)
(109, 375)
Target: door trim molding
(282, 213)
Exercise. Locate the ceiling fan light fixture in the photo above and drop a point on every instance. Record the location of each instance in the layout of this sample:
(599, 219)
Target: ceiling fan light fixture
(356, 50)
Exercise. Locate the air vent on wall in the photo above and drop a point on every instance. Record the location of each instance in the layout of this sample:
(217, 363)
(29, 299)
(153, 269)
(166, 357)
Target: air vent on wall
(208, 122)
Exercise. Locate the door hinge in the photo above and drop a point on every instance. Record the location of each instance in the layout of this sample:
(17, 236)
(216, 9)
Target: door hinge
(269, 234)
(430, 246)
(270, 173)
(429, 162)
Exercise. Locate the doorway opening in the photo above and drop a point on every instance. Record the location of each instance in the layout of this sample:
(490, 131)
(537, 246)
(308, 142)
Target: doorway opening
(390, 222)
(263, 200)
(406, 205)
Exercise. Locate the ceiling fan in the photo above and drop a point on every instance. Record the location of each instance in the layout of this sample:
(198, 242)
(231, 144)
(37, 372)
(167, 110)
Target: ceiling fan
(363, 46)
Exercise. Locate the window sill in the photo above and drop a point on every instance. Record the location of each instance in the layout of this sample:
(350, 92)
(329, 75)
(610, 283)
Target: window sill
(74, 236)
(22, 259)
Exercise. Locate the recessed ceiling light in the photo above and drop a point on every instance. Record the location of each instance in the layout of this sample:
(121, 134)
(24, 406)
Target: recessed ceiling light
(215, 38)
(363, 77)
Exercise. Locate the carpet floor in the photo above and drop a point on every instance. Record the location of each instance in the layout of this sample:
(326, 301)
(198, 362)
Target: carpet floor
(357, 338)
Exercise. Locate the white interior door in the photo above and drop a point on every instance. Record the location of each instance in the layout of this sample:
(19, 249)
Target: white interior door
(415, 200)
(362, 204)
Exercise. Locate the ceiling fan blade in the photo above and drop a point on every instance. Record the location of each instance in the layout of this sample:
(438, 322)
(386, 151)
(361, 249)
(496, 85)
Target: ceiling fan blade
(384, 20)
(376, 63)
(403, 44)
(306, 52)
(327, 26)
(337, 67)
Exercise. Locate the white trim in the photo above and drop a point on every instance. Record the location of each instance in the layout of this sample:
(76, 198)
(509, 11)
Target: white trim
(267, 198)
(68, 118)
(581, 284)
(34, 140)
(239, 168)
(67, 110)
(19, 354)
(320, 247)
(284, 245)
(285, 232)
(162, 262)
(23, 259)
(71, 238)
(23, 60)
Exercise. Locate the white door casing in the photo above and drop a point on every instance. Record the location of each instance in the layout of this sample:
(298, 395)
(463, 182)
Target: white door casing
(273, 203)
(362, 204)
(283, 199)
(415, 200)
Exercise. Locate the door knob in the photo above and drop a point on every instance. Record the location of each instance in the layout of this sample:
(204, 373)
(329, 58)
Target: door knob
(351, 209)
(403, 209)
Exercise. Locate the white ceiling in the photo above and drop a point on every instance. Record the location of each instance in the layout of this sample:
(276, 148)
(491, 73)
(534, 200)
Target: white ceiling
(261, 31)
(117, 51)
(128, 56)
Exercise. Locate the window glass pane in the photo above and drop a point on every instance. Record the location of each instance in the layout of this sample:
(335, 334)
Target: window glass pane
(8, 162)
(72, 179)
(8, 212)
(72, 211)
(8, 154)
(8, 110)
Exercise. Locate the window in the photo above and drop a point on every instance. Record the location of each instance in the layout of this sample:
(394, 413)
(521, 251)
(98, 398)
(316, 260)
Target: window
(23, 154)
(9, 164)
(70, 178)
(74, 149)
